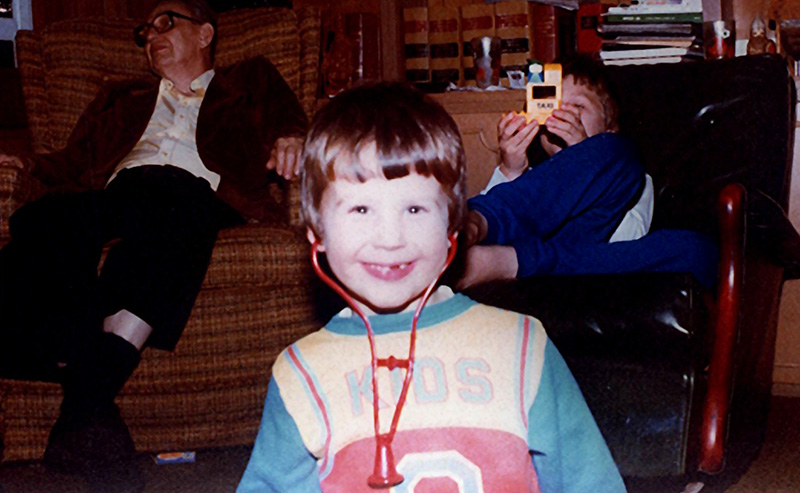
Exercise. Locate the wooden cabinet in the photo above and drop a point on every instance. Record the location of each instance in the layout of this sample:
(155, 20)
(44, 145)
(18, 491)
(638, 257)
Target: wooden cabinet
(477, 114)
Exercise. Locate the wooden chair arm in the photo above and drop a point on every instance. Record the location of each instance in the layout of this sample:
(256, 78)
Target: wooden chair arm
(716, 406)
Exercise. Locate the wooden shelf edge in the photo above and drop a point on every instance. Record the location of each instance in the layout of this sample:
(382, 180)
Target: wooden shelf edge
(461, 102)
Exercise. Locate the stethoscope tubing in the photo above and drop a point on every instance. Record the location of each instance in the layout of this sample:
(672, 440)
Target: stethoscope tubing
(384, 441)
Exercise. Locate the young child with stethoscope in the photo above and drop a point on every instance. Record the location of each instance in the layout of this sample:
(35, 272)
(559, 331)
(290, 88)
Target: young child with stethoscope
(456, 397)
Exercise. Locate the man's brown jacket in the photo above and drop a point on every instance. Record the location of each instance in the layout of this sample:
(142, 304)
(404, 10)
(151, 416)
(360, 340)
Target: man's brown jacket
(246, 108)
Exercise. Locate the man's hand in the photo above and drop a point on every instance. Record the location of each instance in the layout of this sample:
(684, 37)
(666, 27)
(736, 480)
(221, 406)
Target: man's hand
(475, 229)
(13, 161)
(514, 136)
(286, 155)
(488, 263)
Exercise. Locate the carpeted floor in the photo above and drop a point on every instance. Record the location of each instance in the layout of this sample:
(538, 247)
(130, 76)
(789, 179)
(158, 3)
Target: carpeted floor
(777, 469)
(213, 471)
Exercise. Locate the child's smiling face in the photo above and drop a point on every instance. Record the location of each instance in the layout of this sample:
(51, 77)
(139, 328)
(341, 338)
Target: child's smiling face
(386, 240)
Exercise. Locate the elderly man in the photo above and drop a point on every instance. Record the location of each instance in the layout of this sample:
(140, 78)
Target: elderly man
(155, 168)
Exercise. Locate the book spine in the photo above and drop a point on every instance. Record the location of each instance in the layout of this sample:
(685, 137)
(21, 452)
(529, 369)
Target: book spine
(693, 17)
(545, 43)
(654, 29)
(644, 7)
(452, 3)
(644, 61)
(513, 26)
(415, 29)
(588, 40)
(445, 51)
(642, 53)
(362, 29)
(477, 20)
(566, 32)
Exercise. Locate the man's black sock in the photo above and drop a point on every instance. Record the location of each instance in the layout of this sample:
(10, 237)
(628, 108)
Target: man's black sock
(93, 380)
(90, 434)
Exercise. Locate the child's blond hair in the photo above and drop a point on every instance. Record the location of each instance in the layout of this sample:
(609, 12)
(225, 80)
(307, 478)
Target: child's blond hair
(411, 132)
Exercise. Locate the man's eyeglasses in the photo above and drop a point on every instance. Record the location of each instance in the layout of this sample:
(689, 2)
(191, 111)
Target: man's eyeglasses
(162, 23)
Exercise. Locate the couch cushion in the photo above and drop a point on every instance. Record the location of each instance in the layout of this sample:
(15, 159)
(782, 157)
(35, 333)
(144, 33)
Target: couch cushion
(78, 57)
(258, 254)
(247, 33)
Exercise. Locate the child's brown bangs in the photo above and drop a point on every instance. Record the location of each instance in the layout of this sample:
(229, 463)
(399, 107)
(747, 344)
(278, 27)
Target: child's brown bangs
(343, 159)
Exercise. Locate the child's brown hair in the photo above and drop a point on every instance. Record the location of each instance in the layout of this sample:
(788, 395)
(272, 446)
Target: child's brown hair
(411, 132)
(590, 72)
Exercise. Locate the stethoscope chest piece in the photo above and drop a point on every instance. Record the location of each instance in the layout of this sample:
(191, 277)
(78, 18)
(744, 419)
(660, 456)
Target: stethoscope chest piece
(385, 475)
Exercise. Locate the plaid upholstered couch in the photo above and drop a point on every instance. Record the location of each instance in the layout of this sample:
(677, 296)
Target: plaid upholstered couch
(256, 297)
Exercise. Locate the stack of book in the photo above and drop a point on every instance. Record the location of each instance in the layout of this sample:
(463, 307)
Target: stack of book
(437, 38)
(652, 31)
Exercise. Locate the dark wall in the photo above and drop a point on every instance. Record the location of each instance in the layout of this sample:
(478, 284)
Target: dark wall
(47, 11)
(12, 115)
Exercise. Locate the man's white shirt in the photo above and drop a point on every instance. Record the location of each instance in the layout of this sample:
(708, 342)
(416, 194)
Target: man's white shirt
(170, 135)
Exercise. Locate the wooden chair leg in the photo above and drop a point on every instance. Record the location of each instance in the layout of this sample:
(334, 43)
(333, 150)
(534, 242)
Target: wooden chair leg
(716, 406)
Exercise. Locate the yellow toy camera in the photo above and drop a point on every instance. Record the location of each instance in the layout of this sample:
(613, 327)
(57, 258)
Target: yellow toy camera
(544, 91)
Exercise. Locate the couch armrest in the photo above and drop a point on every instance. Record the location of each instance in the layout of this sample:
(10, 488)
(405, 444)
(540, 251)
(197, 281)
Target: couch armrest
(309, 22)
(716, 406)
(32, 78)
(17, 186)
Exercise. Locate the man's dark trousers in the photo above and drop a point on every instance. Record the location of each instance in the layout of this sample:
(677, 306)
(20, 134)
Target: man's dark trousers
(161, 223)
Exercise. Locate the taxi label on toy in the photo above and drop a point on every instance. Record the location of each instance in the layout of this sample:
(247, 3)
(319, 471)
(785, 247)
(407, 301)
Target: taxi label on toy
(543, 91)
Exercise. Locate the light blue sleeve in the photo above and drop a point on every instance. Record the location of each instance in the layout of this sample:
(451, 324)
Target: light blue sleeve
(569, 453)
(279, 462)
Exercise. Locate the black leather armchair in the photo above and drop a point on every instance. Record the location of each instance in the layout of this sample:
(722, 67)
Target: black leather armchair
(679, 376)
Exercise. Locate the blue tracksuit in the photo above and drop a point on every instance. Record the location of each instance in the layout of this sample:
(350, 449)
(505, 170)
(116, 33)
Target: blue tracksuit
(559, 216)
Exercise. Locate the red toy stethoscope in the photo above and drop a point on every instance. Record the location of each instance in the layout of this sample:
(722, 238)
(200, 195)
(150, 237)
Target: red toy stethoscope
(385, 474)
